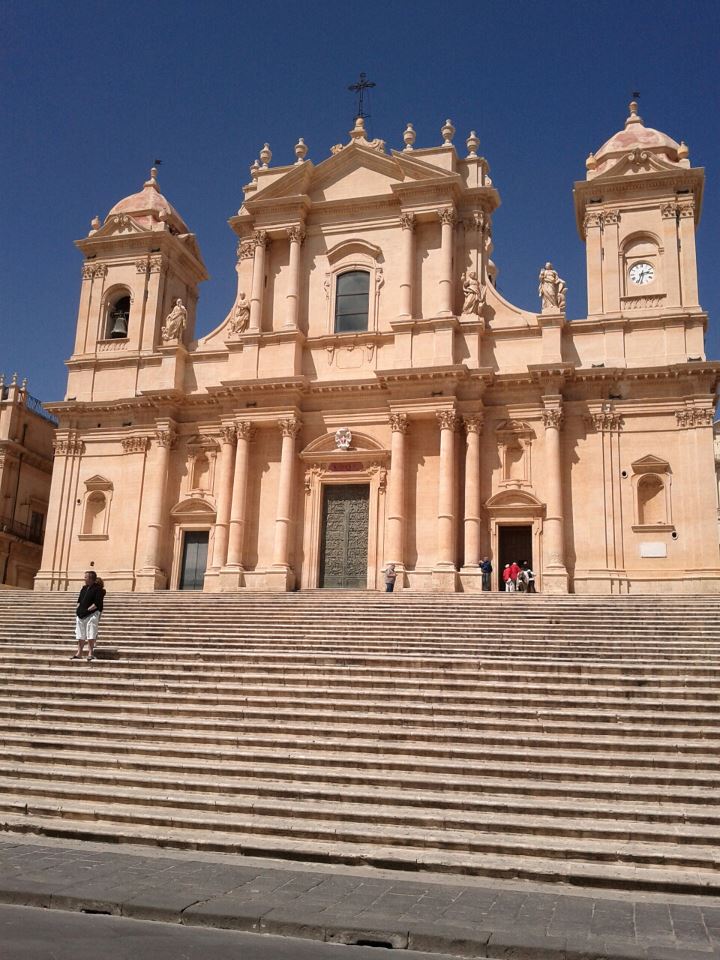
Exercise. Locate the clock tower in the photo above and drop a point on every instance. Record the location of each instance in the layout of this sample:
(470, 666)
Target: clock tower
(637, 211)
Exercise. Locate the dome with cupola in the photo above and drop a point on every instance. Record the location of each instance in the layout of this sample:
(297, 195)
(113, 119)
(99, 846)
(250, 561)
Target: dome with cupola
(149, 207)
(636, 136)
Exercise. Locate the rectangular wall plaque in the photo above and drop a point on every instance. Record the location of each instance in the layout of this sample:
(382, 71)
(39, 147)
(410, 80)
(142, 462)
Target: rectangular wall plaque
(653, 549)
(345, 467)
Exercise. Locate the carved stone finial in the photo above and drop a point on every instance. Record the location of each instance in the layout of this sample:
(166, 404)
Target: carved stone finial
(265, 156)
(409, 137)
(683, 151)
(300, 150)
(152, 182)
(358, 131)
(472, 143)
(448, 132)
(254, 169)
(13, 382)
(634, 115)
(94, 225)
(591, 162)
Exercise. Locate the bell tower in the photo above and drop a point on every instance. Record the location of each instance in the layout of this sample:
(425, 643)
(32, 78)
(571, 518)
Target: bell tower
(637, 211)
(138, 264)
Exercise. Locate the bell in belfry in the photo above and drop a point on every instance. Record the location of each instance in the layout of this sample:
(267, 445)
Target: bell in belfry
(119, 320)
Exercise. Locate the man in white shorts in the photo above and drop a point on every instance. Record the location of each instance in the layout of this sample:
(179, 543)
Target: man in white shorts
(87, 615)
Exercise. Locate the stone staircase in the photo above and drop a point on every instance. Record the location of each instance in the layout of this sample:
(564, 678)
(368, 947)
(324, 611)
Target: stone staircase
(569, 739)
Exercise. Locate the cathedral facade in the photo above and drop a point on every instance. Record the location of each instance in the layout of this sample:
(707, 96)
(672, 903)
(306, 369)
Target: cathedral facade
(371, 397)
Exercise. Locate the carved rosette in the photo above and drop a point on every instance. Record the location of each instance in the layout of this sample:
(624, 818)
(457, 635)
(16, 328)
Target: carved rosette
(135, 444)
(399, 422)
(447, 215)
(408, 221)
(552, 417)
(165, 438)
(448, 419)
(69, 446)
(92, 270)
(245, 430)
(262, 238)
(473, 424)
(296, 234)
(290, 427)
(246, 249)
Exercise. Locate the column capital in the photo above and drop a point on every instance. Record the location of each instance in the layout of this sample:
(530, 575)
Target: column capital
(296, 233)
(669, 211)
(408, 221)
(611, 217)
(245, 430)
(448, 419)
(262, 238)
(686, 208)
(399, 422)
(552, 417)
(165, 437)
(246, 249)
(447, 215)
(290, 427)
(593, 218)
(473, 423)
(227, 433)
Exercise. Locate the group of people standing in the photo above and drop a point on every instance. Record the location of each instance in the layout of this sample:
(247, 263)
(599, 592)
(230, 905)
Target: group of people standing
(515, 578)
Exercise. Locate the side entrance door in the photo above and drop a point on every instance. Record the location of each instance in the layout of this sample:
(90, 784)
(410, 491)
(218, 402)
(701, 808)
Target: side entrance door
(344, 550)
(515, 543)
(194, 559)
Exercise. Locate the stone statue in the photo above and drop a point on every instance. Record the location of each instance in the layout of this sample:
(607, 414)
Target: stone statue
(175, 322)
(552, 290)
(241, 315)
(474, 294)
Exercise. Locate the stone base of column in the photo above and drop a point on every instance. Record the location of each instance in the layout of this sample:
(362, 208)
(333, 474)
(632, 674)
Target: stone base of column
(150, 579)
(470, 579)
(211, 582)
(443, 580)
(279, 580)
(231, 578)
(555, 581)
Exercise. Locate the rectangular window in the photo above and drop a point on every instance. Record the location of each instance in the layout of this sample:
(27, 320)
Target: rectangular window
(351, 301)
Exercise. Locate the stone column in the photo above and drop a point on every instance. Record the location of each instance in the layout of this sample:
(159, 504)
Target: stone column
(283, 521)
(594, 253)
(671, 273)
(230, 577)
(447, 221)
(688, 257)
(395, 550)
(296, 235)
(225, 492)
(473, 429)
(262, 241)
(611, 261)
(407, 222)
(151, 577)
(448, 420)
(554, 576)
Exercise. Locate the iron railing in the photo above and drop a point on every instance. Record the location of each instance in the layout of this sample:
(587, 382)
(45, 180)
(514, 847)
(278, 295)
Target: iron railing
(25, 531)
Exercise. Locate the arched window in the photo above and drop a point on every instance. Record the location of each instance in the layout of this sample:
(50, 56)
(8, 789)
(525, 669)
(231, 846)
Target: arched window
(352, 298)
(651, 500)
(118, 318)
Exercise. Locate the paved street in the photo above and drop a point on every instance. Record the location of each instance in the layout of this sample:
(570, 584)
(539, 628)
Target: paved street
(332, 904)
(30, 933)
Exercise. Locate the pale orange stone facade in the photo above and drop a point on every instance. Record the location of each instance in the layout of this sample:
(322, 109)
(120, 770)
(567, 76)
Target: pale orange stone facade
(471, 427)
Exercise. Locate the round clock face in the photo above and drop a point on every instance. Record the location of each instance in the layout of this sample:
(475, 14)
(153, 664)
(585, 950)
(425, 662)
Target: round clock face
(642, 273)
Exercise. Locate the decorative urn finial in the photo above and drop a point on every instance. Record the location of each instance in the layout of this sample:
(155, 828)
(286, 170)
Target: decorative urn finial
(591, 162)
(409, 137)
(472, 143)
(358, 131)
(94, 225)
(634, 115)
(683, 151)
(300, 150)
(265, 156)
(152, 182)
(448, 132)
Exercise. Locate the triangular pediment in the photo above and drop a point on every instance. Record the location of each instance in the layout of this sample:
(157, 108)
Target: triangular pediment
(96, 482)
(650, 464)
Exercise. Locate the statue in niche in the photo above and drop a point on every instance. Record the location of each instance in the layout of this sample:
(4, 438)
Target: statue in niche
(241, 315)
(175, 322)
(474, 294)
(551, 290)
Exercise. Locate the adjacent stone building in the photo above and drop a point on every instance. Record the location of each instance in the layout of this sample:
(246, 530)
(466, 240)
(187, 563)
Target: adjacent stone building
(26, 459)
(371, 397)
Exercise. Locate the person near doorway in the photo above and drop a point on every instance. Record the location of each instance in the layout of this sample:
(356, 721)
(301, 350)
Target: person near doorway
(521, 583)
(390, 578)
(486, 568)
(529, 576)
(514, 573)
(87, 614)
(507, 579)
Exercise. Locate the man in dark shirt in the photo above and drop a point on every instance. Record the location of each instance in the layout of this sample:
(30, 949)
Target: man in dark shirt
(87, 618)
(486, 569)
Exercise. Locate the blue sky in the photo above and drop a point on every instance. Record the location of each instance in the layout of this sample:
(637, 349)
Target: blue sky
(92, 93)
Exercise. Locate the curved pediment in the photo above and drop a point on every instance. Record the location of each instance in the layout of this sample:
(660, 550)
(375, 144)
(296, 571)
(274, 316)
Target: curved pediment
(326, 447)
(349, 248)
(197, 506)
(516, 501)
